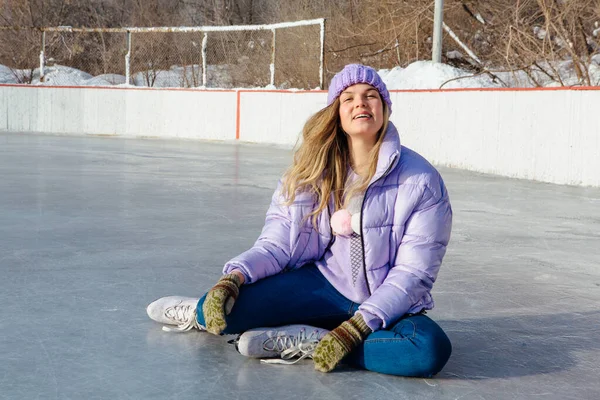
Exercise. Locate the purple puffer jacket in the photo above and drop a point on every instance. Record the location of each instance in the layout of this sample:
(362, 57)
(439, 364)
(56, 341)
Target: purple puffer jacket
(406, 224)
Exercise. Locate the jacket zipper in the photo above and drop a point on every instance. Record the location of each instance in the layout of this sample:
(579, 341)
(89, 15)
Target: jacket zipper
(362, 240)
(330, 231)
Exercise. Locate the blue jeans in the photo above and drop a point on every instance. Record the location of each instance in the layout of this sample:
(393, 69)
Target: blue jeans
(413, 346)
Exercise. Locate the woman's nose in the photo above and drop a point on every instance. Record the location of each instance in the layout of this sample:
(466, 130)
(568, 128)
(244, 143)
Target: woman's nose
(360, 101)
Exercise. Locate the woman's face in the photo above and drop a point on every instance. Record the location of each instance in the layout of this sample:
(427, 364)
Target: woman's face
(361, 111)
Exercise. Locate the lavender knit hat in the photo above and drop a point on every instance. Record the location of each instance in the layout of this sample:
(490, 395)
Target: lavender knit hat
(357, 73)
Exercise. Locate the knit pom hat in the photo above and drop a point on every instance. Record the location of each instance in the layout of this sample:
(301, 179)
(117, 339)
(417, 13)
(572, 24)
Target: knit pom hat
(357, 73)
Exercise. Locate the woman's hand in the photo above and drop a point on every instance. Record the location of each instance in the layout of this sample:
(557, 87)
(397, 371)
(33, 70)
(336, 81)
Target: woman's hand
(219, 302)
(338, 343)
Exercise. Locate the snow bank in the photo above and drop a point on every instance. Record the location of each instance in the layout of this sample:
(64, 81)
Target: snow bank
(418, 75)
(217, 76)
(430, 75)
(61, 75)
(8, 75)
(106, 80)
(564, 70)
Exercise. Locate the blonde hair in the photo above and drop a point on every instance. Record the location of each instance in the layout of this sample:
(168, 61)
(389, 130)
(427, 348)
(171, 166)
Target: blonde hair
(322, 161)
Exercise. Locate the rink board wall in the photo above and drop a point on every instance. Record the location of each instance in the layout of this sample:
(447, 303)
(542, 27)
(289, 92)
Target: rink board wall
(120, 112)
(550, 135)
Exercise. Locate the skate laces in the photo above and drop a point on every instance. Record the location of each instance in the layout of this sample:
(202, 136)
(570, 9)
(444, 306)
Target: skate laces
(301, 346)
(185, 317)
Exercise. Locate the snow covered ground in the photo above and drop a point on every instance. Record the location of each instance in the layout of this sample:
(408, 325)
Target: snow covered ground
(429, 75)
(60, 75)
(418, 75)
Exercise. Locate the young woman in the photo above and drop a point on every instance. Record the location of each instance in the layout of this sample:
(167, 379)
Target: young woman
(353, 241)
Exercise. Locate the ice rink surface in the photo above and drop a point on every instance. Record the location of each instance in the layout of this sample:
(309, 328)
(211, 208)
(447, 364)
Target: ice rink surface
(92, 229)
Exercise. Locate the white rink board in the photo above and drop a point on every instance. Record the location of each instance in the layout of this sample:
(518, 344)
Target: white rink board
(545, 135)
(120, 112)
(277, 117)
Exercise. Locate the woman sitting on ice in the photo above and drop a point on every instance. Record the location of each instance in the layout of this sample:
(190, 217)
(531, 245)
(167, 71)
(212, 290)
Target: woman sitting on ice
(352, 243)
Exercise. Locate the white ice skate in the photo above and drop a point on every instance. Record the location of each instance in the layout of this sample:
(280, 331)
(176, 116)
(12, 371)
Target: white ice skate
(175, 310)
(286, 342)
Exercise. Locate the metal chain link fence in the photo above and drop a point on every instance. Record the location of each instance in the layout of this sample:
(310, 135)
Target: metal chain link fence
(19, 54)
(216, 57)
(94, 58)
(232, 59)
(161, 59)
(298, 51)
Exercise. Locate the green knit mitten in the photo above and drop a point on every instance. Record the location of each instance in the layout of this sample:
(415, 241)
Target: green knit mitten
(340, 342)
(219, 302)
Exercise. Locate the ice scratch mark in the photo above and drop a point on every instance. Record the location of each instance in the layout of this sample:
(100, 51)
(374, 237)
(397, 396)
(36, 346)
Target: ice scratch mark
(229, 220)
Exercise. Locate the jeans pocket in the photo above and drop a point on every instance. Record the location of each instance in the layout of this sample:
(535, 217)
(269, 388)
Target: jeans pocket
(405, 329)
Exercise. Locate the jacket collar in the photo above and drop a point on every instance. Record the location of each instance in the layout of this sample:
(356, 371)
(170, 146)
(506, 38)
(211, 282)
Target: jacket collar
(389, 153)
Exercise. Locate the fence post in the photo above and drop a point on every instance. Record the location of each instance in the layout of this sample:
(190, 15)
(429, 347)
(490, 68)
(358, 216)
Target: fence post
(273, 59)
(42, 56)
(436, 52)
(321, 72)
(128, 59)
(204, 41)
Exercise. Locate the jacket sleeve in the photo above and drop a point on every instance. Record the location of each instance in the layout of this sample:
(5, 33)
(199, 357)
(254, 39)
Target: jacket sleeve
(282, 242)
(418, 260)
